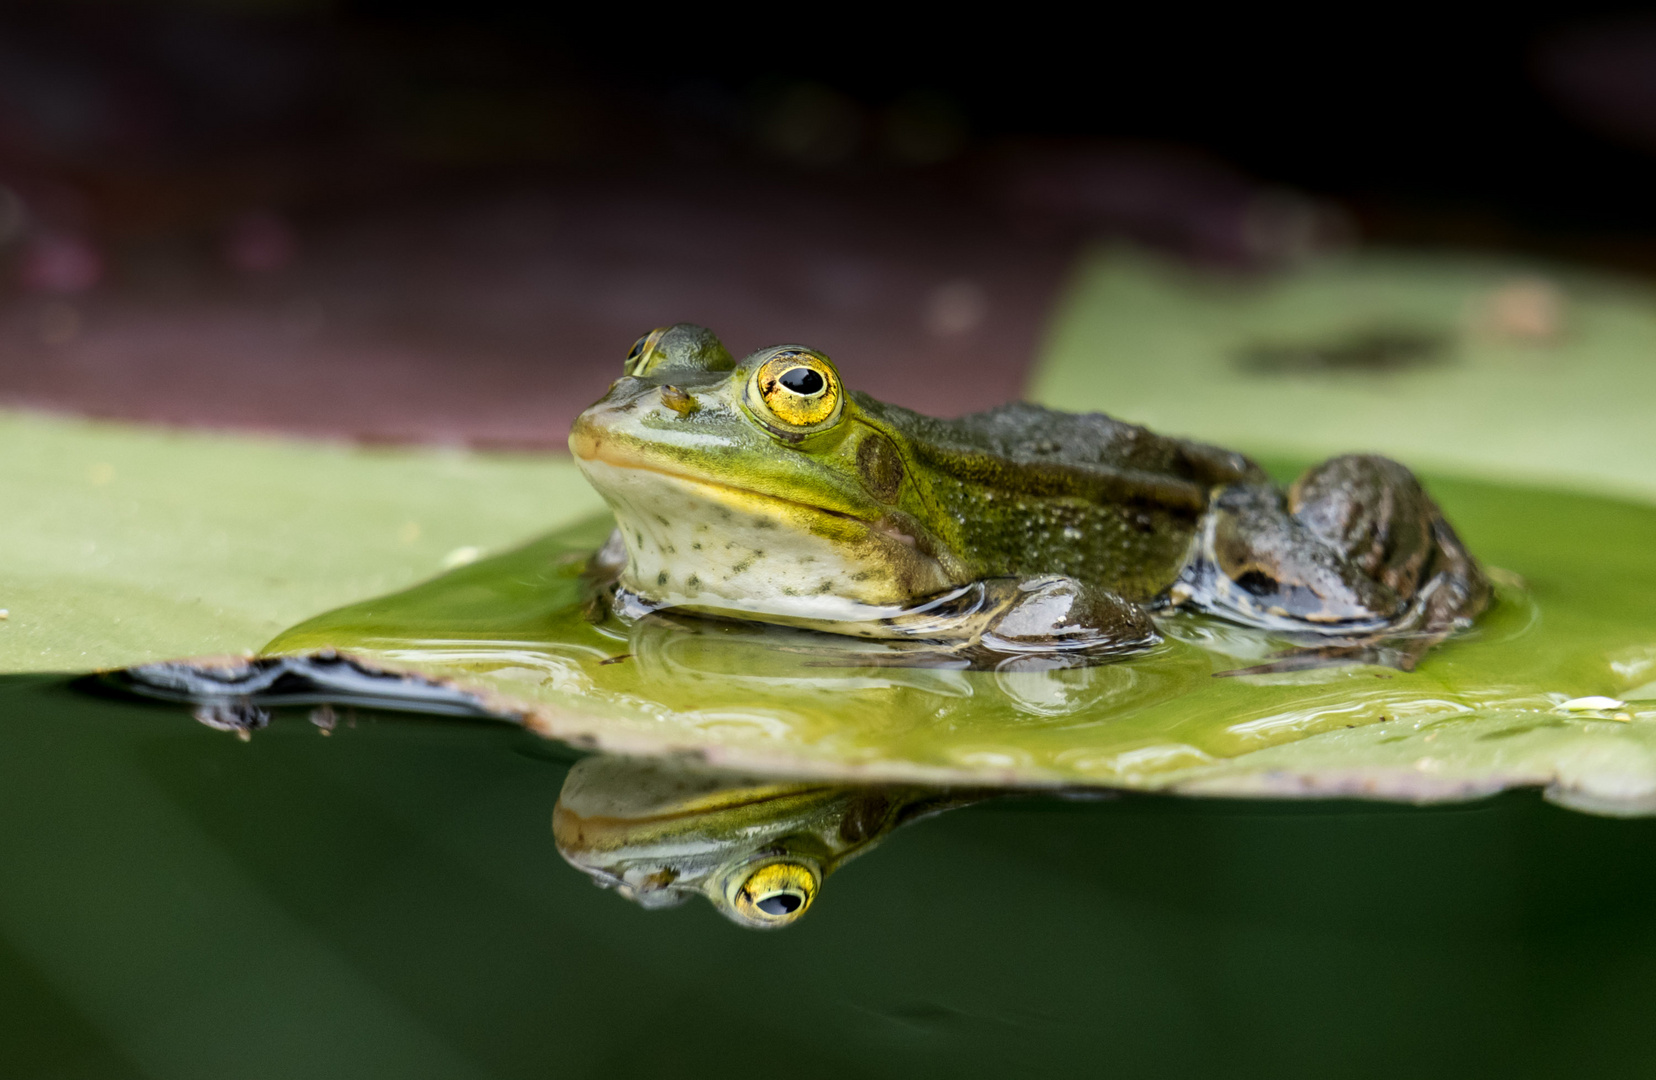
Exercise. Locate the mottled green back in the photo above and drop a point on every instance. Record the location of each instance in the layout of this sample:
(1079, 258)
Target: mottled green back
(1026, 490)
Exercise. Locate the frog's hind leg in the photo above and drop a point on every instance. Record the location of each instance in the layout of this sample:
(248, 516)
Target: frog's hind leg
(1355, 552)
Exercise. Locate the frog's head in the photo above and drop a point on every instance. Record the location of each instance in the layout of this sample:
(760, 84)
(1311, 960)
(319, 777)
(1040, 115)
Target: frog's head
(758, 849)
(759, 488)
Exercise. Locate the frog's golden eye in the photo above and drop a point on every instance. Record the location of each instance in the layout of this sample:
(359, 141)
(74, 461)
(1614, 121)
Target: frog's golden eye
(799, 388)
(775, 894)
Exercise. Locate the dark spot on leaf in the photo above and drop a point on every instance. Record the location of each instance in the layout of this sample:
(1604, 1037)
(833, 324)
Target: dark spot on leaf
(1375, 349)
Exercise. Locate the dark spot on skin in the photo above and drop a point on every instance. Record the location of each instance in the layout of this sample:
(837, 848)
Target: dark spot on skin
(661, 578)
(694, 582)
(664, 521)
(881, 467)
(743, 567)
(695, 547)
(865, 819)
(825, 587)
(862, 575)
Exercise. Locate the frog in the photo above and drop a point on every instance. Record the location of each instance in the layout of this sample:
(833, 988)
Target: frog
(661, 832)
(767, 490)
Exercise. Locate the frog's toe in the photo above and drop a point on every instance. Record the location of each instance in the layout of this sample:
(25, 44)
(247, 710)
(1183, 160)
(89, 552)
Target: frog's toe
(1062, 614)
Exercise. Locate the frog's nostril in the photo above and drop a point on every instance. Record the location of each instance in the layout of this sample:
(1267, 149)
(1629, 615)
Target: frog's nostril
(678, 400)
(1258, 582)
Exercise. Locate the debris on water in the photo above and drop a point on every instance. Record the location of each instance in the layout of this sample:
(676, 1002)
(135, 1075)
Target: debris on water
(230, 695)
(325, 719)
(241, 717)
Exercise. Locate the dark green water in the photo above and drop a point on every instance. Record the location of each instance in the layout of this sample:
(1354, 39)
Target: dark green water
(388, 902)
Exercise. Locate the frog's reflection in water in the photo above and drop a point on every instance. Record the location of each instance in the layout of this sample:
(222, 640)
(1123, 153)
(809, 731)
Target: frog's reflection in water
(661, 832)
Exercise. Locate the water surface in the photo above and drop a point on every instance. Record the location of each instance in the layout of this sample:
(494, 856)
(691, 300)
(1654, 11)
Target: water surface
(388, 901)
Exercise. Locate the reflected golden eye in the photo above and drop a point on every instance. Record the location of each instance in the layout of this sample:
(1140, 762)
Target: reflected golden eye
(775, 894)
(798, 388)
(642, 356)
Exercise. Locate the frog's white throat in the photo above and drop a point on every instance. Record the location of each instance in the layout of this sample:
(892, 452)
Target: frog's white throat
(708, 547)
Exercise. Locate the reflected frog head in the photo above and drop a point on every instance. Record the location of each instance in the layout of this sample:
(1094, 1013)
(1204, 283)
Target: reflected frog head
(759, 850)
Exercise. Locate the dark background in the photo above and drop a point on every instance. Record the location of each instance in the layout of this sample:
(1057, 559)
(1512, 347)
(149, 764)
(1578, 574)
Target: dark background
(445, 222)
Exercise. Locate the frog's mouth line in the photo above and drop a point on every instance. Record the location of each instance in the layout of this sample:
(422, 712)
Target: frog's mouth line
(590, 449)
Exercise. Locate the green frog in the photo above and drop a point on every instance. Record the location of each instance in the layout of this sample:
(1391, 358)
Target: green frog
(759, 849)
(767, 490)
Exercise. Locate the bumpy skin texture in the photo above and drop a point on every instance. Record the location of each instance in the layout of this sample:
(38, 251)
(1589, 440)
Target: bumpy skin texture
(1023, 490)
(1355, 550)
(764, 489)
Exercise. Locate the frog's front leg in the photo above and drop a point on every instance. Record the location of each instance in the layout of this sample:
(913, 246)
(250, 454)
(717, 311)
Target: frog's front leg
(1061, 614)
(1355, 552)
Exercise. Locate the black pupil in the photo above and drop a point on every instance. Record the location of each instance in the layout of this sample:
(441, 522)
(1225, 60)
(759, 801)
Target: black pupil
(781, 903)
(802, 381)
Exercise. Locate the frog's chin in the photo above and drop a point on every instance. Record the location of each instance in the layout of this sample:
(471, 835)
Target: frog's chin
(704, 546)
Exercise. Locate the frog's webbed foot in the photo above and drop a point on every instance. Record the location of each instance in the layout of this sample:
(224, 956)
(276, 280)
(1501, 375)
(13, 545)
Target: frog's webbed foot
(991, 621)
(1355, 554)
(1062, 615)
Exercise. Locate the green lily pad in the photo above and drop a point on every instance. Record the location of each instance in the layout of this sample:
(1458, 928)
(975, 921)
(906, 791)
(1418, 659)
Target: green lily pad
(1479, 367)
(124, 544)
(1576, 618)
